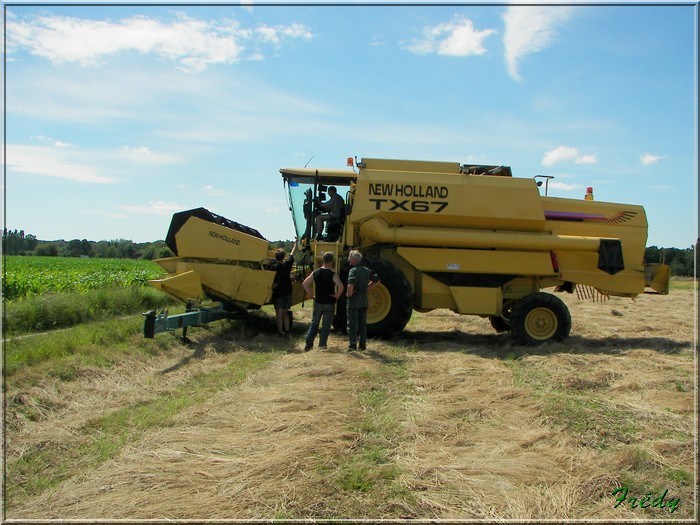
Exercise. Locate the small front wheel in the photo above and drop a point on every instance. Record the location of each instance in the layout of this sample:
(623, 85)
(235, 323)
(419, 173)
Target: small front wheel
(539, 318)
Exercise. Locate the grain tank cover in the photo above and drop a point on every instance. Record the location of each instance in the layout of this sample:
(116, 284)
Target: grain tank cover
(434, 167)
(445, 195)
(422, 166)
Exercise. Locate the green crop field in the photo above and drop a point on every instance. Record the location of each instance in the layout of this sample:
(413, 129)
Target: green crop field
(25, 277)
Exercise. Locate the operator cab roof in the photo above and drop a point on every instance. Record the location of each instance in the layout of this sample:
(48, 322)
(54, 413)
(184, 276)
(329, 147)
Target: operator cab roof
(311, 175)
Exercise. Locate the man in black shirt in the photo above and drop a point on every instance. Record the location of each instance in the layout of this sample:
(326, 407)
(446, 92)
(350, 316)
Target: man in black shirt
(282, 289)
(328, 288)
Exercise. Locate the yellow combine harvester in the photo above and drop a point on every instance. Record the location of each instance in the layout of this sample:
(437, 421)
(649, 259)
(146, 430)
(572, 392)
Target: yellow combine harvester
(470, 238)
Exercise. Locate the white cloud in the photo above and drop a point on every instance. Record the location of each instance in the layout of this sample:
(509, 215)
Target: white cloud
(248, 8)
(276, 33)
(52, 162)
(211, 191)
(586, 159)
(152, 208)
(144, 155)
(195, 109)
(455, 38)
(293, 31)
(191, 43)
(648, 159)
(53, 142)
(567, 153)
(562, 153)
(563, 186)
(530, 29)
(268, 33)
(136, 150)
(89, 95)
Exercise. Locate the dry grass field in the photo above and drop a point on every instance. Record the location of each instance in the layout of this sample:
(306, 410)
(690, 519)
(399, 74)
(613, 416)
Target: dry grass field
(450, 421)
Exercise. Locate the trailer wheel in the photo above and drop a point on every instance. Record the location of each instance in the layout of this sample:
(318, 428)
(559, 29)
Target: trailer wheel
(499, 324)
(390, 301)
(539, 318)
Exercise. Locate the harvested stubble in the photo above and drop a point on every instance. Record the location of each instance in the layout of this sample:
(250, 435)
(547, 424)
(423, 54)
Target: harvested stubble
(449, 422)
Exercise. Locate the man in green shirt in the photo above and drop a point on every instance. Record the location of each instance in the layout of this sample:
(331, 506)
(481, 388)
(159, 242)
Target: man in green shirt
(360, 279)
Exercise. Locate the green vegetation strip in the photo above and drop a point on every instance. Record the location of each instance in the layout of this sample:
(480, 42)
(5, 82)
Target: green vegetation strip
(682, 284)
(583, 409)
(370, 465)
(583, 412)
(96, 344)
(48, 464)
(62, 310)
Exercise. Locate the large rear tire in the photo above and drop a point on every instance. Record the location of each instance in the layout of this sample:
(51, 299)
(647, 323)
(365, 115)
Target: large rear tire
(540, 318)
(390, 301)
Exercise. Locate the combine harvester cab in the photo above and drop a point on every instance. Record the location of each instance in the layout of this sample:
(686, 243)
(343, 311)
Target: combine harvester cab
(221, 270)
(475, 240)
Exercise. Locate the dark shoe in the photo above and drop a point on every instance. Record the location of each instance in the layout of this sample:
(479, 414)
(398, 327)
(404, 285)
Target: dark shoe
(352, 349)
(323, 347)
(363, 348)
(307, 348)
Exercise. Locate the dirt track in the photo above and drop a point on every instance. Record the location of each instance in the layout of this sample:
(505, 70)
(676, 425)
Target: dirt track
(452, 421)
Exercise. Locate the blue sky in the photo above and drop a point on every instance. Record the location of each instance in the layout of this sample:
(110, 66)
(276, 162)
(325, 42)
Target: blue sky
(119, 116)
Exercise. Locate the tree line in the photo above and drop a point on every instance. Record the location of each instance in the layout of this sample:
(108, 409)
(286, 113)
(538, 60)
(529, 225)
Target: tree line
(682, 261)
(16, 242)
